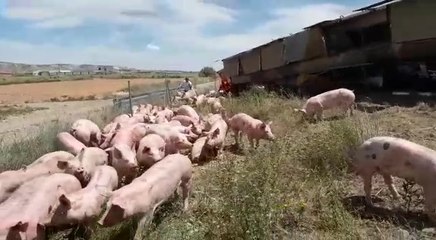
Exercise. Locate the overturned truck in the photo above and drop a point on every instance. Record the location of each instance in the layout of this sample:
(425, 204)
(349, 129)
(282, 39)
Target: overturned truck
(387, 45)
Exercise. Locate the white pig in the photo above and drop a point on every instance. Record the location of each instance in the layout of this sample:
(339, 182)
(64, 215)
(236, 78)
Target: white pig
(339, 98)
(148, 191)
(391, 156)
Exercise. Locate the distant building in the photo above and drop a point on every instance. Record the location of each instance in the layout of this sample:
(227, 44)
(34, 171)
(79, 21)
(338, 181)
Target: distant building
(105, 69)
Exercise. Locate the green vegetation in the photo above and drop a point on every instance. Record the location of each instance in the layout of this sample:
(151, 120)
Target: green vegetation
(207, 72)
(297, 187)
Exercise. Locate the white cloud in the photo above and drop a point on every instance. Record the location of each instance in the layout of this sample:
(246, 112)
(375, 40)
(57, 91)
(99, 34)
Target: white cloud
(176, 24)
(152, 46)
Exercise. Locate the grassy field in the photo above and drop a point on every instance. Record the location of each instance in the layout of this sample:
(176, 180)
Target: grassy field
(8, 80)
(296, 187)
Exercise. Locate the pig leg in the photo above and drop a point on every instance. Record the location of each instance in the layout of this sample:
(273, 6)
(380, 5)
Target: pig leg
(429, 205)
(367, 186)
(186, 186)
(143, 223)
(251, 140)
(351, 107)
(257, 142)
(236, 132)
(389, 182)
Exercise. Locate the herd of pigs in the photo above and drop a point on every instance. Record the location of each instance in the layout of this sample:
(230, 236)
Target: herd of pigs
(138, 161)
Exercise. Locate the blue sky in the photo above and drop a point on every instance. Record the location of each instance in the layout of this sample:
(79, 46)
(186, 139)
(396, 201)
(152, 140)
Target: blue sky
(152, 34)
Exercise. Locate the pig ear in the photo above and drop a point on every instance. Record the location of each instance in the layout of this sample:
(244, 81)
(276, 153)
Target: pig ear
(215, 133)
(65, 201)
(20, 226)
(62, 164)
(262, 125)
(269, 123)
(80, 155)
(117, 153)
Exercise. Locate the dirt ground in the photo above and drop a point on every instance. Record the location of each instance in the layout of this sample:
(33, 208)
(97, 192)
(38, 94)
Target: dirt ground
(40, 92)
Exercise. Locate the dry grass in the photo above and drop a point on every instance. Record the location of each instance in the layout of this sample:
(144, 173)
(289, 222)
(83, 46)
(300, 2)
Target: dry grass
(12, 110)
(297, 187)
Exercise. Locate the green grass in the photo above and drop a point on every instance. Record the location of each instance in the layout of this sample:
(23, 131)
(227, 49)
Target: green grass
(293, 188)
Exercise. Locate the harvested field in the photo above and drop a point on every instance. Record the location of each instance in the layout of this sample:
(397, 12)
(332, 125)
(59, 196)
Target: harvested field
(98, 88)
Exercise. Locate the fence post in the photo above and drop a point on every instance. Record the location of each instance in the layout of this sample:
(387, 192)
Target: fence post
(130, 98)
(167, 92)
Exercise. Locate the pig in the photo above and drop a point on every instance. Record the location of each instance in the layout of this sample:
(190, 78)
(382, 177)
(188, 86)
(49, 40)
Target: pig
(85, 205)
(216, 107)
(188, 111)
(90, 158)
(121, 118)
(11, 180)
(211, 119)
(151, 149)
(200, 100)
(69, 143)
(174, 123)
(160, 118)
(198, 151)
(339, 98)
(216, 136)
(174, 140)
(168, 113)
(186, 121)
(391, 156)
(86, 132)
(52, 156)
(135, 109)
(27, 208)
(123, 159)
(255, 129)
(148, 191)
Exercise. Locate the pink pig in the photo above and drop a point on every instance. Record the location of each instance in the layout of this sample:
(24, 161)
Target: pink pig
(339, 98)
(174, 140)
(69, 143)
(86, 132)
(187, 121)
(85, 205)
(188, 111)
(255, 129)
(390, 156)
(148, 191)
(24, 212)
(216, 136)
(151, 150)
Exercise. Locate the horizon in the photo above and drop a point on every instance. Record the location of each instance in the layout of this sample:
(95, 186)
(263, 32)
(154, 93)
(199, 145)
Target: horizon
(151, 34)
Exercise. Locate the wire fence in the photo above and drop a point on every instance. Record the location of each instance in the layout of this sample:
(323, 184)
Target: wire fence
(159, 97)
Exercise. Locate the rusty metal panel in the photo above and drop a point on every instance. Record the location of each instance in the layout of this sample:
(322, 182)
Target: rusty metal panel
(304, 45)
(413, 20)
(250, 61)
(231, 67)
(272, 55)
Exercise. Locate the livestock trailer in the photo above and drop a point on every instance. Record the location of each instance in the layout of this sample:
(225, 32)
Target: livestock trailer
(375, 47)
